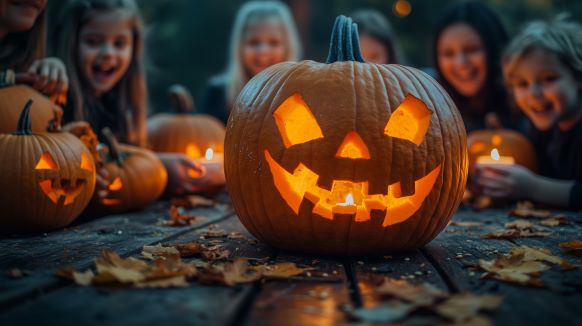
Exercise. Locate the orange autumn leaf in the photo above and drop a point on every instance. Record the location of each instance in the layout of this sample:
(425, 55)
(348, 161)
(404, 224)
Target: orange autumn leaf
(572, 247)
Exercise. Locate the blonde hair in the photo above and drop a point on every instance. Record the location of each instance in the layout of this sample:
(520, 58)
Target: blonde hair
(27, 46)
(560, 36)
(130, 92)
(252, 13)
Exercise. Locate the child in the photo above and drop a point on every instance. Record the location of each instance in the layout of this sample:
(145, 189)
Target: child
(22, 48)
(101, 43)
(543, 68)
(467, 48)
(264, 34)
(377, 40)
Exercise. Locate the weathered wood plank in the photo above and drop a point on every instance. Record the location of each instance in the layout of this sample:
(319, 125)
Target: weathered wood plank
(455, 247)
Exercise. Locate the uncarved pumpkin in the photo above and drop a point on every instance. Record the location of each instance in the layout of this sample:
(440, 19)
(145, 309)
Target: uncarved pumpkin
(184, 132)
(47, 179)
(345, 157)
(137, 178)
(13, 99)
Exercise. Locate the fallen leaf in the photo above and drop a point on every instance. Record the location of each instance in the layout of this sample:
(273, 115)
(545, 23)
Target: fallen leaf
(464, 307)
(519, 224)
(526, 209)
(555, 221)
(214, 231)
(158, 251)
(177, 218)
(423, 294)
(189, 249)
(280, 270)
(229, 273)
(172, 282)
(572, 247)
(515, 233)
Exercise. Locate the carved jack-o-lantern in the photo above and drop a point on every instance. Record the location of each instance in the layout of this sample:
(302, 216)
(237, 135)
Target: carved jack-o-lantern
(47, 178)
(345, 157)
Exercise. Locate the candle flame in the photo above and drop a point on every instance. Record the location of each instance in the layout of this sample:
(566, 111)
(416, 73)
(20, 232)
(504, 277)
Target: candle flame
(349, 199)
(495, 154)
(209, 154)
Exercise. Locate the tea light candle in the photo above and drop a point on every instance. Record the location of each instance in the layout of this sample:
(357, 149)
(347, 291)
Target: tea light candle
(495, 158)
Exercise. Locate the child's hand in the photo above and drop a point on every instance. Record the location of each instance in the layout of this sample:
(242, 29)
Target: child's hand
(503, 181)
(51, 76)
(184, 175)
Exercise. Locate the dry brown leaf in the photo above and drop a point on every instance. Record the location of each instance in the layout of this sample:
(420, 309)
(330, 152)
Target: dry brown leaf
(177, 218)
(159, 251)
(280, 270)
(189, 249)
(572, 247)
(465, 306)
(526, 209)
(515, 233)
(214, 231)
(519, 224)
(522, 265)
(229, 274)
(172, 282)
(235, 235)
(424, 294)
(466, 223)
(555, 221)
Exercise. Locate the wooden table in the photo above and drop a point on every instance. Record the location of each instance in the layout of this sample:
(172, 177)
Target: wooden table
(40, 297)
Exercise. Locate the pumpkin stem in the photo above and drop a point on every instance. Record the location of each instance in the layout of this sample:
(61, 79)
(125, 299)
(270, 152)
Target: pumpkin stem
(24, 125)
(345, 42)
(181, 99)
(113, 145)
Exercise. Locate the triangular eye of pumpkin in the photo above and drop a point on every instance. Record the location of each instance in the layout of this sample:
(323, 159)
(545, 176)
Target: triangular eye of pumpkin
(410, 121)
(46, 162)
(86, 163)
(296, 122)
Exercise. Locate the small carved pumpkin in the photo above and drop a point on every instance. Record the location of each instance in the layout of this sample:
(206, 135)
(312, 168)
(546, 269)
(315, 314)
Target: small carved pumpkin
(13, 99)
(501, 143)
(345, 157)
(47, 179)
(190, 134)
(137, 178)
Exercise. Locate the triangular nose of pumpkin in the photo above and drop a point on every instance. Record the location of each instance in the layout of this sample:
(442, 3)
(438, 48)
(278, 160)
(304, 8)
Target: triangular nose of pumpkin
(353, 147)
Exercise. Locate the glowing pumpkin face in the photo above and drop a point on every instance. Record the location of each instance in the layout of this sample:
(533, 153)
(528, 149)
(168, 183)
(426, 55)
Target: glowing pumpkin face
(48, 178)
(345, 158)
(297, 125)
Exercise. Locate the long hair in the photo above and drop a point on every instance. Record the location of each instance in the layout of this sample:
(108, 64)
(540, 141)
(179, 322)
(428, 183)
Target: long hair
(27, 46)
(373, 23)
(494, 37)
(255, 12)
(129, 95)
(560, 36)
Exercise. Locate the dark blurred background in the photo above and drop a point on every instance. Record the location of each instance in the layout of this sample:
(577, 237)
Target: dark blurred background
(187, 40)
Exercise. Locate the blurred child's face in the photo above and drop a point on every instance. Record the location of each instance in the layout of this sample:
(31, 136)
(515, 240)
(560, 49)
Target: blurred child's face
(546, 90)
(373, 50)
(263, 45)
(105, 49)
(19, 15)
(462, 59)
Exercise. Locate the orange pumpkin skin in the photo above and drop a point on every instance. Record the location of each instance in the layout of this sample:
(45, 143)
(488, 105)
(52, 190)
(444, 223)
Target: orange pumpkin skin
(47, 180)
(13, 99)
(345, 98)
(137, 178)
(508, 143)
(186, 133)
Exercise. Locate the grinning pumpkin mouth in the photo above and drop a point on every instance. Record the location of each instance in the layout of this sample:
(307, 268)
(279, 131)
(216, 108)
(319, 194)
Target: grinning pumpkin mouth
(66, 189)
(347, 197)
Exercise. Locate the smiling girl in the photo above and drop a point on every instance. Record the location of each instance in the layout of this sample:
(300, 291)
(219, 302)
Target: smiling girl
(543, 67)
(264, 34)
(22, 48)
(467, 49)
(101, 43)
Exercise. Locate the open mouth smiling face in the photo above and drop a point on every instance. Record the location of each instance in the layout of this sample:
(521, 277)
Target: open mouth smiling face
(297, 125)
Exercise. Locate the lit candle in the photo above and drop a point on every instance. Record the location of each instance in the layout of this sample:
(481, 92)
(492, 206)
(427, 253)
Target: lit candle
(347, 207)
(495, 158)
(213, 163)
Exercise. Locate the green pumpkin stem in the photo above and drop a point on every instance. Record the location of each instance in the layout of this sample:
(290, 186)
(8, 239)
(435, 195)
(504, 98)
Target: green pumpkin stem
(24, 125)
(113, 145)
(345, 42)
(181, 99)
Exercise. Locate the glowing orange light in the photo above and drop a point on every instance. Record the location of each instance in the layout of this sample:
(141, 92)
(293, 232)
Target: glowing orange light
(353, 147)
(192, 151)
(86, 163)
(115, 185)
(410, 121)
(402, 8)
(349, 200)
(496, 140)
(495, 158)
(296, 122)
(46, 162)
